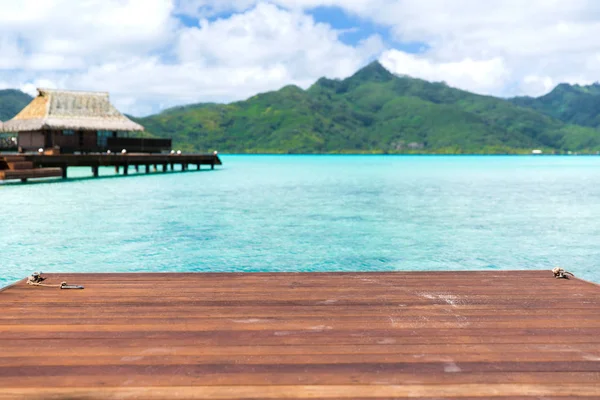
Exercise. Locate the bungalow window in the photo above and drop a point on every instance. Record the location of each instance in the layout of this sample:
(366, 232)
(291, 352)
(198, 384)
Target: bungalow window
(68, 132)
(103, 136)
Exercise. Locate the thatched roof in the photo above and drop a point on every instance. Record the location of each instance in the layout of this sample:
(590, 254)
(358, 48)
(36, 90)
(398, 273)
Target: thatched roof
(61, 109)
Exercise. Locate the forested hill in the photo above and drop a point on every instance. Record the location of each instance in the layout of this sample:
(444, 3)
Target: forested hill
(573, 104)
(373, 111)
(11, 102)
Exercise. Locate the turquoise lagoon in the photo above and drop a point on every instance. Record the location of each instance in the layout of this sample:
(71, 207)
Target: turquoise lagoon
(312, 213)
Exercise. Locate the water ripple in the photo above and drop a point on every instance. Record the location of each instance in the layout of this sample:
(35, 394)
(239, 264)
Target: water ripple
(313, 213)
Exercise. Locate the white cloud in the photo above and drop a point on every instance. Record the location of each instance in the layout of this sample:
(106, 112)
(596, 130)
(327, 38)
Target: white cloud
(267, 35)
(93, 30)
(551, 39)
(31, 87)
(483, 76)
(543, 38)
(141, 52)
(136, 50)
(10, 53)
(537, 85)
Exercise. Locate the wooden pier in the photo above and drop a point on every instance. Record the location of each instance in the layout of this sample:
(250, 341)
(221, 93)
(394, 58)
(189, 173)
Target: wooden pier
(32, 166)
(389, 335)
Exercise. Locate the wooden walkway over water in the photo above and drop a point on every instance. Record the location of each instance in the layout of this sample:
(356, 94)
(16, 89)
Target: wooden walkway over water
(467, 335)
(33, 166)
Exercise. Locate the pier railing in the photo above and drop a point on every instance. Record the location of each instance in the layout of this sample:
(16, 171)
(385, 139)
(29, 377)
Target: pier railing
(138, 145)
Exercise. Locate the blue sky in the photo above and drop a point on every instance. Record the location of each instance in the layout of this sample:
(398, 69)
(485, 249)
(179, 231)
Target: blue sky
(153, 54)
(353, 28)
(356, 29)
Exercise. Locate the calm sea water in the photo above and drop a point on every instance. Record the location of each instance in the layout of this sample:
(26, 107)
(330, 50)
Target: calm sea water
(312, 213)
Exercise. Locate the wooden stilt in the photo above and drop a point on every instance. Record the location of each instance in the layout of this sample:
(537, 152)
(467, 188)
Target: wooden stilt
(125, 169)
(147, 168)
(137, 168)
(95, 171)
(64, 172)
(116, 169)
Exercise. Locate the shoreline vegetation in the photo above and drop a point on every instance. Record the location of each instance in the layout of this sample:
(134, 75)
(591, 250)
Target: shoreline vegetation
(449, 152)
(416, 154)
(377, 112)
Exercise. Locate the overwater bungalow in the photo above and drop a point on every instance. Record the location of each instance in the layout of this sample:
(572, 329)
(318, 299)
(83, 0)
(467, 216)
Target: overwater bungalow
(61, 129)
(72, 121)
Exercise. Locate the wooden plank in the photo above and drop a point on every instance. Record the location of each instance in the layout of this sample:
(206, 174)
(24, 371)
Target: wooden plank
(20, 165)
(500, 334)
(124, 347)
(34, 173)
(149, 376)
(484, 391)
(83, 357)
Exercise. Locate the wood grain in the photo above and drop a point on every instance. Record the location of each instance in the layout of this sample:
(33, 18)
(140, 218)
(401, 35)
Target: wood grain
(389, 335)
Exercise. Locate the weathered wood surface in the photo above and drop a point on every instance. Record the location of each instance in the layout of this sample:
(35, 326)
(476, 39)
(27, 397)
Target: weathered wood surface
(45, 166)
(34, 173)
(467, 335)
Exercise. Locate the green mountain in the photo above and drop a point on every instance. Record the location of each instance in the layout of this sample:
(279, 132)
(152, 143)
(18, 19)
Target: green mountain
(372, 111)
(573, 104)
(11, 102)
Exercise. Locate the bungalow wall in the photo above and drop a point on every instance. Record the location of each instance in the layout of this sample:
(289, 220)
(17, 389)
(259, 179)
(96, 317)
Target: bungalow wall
(69, 141)
(30, 140)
